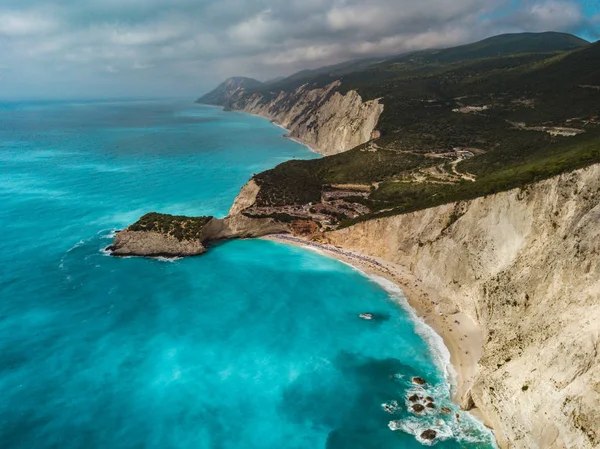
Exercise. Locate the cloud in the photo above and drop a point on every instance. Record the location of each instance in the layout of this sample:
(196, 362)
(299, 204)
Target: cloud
(552, 15)
(25, 23)
(187, 46)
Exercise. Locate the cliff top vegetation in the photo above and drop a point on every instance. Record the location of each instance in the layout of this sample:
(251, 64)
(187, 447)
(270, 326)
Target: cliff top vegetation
(178, 226)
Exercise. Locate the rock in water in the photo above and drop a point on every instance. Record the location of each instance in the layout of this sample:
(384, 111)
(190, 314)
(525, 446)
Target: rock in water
(418, 408)
(429, 434)
(162, 235)
(366, 316)
(419, 381)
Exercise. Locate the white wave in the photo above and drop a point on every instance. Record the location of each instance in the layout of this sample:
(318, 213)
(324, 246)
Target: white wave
(168, 259)
(77, 245)
(466, 429)
(416, 426)
(105, 252)
(111, 233)
(391, 407)
(434, 341)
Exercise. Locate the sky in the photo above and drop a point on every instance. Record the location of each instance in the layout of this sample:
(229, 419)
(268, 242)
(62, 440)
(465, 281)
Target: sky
(183, 48)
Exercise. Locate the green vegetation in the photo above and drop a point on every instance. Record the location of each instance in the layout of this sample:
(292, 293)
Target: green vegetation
(495, 99)
(222, 95)
(301, 182)
(179, 226)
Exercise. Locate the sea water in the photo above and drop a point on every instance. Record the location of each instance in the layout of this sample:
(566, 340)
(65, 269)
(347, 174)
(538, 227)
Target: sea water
(255, 344)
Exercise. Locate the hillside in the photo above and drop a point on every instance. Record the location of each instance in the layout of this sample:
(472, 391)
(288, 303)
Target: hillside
(228, 89)
(502, 45)
(448, 132)
(497, 46)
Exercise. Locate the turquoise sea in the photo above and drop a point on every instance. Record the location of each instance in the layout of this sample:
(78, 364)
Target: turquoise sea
(254, 345)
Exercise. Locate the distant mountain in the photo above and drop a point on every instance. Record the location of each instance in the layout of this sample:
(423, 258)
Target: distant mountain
(337, 69)
(274, 80)
(377, 70)
(502, 45)
(229, 89)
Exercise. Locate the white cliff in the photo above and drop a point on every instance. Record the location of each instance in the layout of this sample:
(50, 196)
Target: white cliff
(525, 265)
(324, 119)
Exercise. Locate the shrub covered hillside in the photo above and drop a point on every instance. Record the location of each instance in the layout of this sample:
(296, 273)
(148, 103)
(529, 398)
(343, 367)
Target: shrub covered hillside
(455, 129)
(178, 226)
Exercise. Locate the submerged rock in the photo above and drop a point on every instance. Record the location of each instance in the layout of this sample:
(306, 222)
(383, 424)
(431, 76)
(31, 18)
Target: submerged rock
(429, 434)
(446, 410)
(391, 408)
(430, 405)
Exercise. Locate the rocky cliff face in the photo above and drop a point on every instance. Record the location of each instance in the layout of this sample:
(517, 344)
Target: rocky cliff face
(324, 119)
(525, 265)
(246, 198)
(153, 244)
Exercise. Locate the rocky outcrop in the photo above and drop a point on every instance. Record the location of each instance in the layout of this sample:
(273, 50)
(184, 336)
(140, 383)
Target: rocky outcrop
(153, 243)
(246, 197)
(525, 265)
(240, 226)
(322, 118)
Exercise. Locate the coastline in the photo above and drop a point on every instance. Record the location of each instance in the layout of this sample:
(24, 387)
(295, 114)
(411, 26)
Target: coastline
(460, 335)
(294, 139)
(286, 136)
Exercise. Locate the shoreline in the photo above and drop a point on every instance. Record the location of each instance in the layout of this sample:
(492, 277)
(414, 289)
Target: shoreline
(288, 136)
(285, 136)
(461, 336)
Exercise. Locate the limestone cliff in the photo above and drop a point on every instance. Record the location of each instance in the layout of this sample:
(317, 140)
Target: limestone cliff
(525, 265)
(322, 118)
(153, 244)
(246, 197)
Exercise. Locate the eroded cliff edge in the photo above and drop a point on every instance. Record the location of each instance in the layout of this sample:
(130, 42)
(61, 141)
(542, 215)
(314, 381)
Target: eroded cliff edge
(322, 118)
(525, 265)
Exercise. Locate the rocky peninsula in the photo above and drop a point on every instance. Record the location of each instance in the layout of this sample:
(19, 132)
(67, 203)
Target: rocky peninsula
(164, 235)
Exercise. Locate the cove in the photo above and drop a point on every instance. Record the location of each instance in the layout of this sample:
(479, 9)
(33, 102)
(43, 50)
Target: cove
(255, 344)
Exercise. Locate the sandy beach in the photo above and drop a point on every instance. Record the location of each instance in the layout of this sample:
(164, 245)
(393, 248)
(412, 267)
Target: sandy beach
(461, 335)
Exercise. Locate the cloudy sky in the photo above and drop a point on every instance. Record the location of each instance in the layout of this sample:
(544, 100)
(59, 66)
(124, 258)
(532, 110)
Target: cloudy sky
(142, 48)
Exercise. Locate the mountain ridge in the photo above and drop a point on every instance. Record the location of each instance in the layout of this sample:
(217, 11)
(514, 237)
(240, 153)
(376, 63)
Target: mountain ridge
(507, 44)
